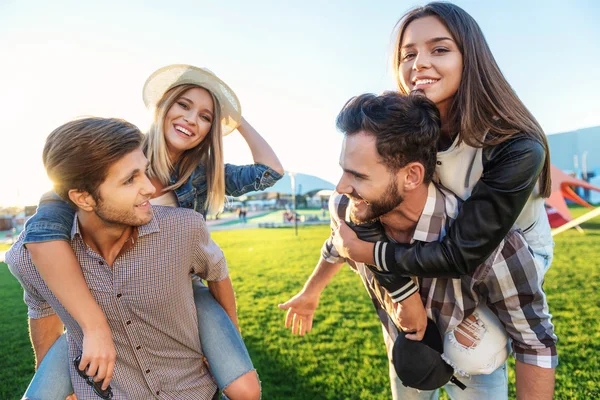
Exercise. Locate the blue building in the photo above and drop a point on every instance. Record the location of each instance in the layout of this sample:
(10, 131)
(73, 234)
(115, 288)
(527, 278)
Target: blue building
(578, 152)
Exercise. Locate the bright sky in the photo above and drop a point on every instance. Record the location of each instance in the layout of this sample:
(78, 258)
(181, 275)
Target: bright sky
(293, 66)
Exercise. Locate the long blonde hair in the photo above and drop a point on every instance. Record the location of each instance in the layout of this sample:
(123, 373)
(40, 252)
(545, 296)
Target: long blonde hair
(209, 152)
(485, 101)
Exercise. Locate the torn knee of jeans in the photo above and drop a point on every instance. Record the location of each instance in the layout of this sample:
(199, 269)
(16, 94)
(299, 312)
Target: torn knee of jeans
(469, 332)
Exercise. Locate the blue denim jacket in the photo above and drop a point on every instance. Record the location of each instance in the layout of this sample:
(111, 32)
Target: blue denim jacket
(54, 217)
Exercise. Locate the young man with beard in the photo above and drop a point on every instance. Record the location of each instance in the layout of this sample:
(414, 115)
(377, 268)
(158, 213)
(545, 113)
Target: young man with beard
(388, 158)
(136, 259)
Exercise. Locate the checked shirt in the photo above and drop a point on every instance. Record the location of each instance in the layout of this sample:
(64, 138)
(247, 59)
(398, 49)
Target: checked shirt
(148, 301)
(509, 281)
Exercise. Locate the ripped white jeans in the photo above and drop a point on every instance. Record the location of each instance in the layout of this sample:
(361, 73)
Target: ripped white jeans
(479, 345)
(482, 363)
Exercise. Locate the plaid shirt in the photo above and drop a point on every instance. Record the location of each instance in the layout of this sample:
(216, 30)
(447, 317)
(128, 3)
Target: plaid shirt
(148, 301)
(508, 281)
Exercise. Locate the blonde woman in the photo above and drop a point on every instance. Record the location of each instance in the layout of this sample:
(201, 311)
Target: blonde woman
(193, 110)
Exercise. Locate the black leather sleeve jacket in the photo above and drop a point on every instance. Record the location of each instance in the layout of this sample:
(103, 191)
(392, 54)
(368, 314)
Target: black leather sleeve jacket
(510, 172)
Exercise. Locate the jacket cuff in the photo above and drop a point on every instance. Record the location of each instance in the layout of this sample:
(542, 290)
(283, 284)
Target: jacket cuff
(398, 287)
(384, 255)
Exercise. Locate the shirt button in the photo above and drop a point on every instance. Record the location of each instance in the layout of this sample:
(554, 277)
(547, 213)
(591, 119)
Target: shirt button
(128, 322)
(100, 262)
(157, 392)
(119, 295)
(439, 163)
(147, 371)
(139, 347)
(267, 173)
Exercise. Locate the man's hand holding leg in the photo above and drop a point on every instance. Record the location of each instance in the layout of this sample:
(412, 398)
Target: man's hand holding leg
(412, 316)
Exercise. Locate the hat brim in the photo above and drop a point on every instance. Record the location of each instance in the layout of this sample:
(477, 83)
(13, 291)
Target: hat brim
(180, 74)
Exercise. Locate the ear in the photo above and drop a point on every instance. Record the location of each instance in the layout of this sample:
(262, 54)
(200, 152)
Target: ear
(415, 173)
(82, 199)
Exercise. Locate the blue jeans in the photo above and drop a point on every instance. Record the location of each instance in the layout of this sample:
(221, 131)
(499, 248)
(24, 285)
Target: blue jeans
(479, 387)
(52, 379)
(221, 343)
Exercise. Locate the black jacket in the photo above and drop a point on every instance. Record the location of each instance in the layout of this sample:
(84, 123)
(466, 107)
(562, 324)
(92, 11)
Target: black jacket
(510, 172)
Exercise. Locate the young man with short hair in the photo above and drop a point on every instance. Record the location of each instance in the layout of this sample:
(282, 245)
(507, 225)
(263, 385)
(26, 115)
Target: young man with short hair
(388, 158)
(136, 259)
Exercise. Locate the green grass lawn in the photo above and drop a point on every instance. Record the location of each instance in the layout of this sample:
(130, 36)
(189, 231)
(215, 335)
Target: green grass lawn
(344, 357)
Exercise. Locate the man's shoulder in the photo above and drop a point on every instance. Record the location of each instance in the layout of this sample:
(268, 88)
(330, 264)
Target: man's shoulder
(181, 218)
(18, 254)
(19, 261)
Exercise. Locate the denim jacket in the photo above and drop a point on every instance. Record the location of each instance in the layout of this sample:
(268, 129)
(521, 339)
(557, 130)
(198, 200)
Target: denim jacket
(54, 217)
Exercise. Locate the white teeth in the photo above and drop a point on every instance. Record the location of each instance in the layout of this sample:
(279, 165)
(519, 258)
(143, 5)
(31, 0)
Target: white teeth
(425, 81)
(183, 130)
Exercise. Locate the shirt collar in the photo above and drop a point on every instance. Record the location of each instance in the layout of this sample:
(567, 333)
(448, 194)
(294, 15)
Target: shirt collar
(433, 217)
(150, 227)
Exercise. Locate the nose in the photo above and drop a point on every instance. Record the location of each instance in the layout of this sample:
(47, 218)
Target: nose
(147, 188)
(422, 61)
(190, 117)
(343, 186)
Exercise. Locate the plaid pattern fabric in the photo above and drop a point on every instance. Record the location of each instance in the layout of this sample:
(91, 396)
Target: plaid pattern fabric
(509, 282)
(148, 301)
(385, 307)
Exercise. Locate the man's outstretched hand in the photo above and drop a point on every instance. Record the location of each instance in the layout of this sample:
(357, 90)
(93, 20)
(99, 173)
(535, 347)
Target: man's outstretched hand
(300, 311)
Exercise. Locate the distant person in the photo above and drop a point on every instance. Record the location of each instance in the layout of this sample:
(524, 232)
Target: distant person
(193, 109)
(244, 213)
(386, 191)
(137, 260)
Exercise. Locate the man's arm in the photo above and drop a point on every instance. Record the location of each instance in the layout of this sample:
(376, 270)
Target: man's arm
(301, 308)
(534, 382)
(43, 333)
(223, 292)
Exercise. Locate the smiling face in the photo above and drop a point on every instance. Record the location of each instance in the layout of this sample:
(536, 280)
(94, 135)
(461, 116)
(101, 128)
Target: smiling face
(123, 197)
(188, 121)
(430, 61)
(372, 189)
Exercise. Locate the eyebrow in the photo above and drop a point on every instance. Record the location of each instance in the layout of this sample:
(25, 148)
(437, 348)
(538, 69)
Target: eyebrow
(134, 172)
(191, 102)
(430, 41)
(355, 173)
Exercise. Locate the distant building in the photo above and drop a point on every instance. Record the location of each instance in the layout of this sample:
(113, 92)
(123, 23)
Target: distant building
(578, 153)
(310, 191)
(572, 151)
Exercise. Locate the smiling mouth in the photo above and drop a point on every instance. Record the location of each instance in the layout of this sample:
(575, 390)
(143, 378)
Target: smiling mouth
(183, 130)
(144, 204)
(423, 82)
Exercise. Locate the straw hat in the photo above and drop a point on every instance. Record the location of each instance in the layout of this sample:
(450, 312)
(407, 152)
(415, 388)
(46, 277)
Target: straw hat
(180, 74)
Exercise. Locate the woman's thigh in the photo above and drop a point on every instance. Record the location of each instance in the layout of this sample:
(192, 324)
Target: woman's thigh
(221, 342)
(52, 381)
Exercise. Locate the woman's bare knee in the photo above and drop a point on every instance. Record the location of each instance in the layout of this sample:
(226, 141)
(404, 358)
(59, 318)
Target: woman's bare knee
(246, 387)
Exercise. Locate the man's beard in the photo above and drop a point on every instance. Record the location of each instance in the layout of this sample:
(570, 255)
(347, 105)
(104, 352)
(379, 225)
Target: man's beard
(118, 218)
(388, 201)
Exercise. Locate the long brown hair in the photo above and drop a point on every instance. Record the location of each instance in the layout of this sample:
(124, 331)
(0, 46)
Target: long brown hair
(485, 110)
(209, 152)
